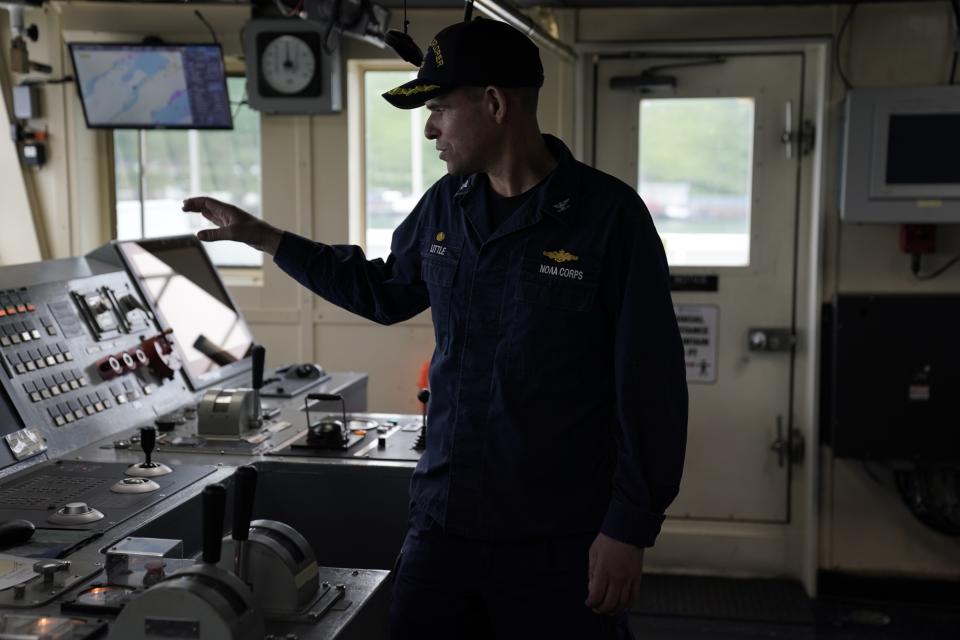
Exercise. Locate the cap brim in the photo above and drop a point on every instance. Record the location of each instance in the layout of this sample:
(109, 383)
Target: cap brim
(415, 93)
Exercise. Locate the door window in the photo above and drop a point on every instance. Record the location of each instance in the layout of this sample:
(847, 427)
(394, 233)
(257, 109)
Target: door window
(695, 175)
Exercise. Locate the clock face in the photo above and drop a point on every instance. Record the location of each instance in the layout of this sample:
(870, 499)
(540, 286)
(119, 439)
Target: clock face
(288, 64)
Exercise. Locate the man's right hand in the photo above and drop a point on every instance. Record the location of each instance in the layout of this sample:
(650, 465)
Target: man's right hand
(234, 224)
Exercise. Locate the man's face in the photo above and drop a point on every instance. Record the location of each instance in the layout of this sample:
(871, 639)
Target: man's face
(462, 128)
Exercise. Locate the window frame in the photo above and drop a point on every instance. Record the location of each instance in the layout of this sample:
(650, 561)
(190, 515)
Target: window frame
(356, 136)
(233, 275)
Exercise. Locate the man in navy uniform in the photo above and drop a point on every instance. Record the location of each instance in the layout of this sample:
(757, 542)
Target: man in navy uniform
(559, 403)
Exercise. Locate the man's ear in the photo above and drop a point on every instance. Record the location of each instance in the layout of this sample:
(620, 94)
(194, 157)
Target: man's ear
(496, 103)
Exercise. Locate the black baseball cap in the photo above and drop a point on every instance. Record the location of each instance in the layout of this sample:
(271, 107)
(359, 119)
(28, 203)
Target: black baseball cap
(479, 53)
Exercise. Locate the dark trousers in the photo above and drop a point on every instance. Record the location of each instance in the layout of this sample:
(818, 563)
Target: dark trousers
(450, 588)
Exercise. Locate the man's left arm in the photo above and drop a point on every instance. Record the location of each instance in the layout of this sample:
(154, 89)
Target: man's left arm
(651, 397)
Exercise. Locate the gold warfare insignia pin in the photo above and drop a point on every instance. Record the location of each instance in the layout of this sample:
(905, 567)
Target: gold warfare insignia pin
(420, 88)
(561, 256)
(441, 236)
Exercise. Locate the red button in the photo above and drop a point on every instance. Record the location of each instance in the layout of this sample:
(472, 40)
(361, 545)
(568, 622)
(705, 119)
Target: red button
(31, 306)
(21, 308)
(3, 312)
(11, 310)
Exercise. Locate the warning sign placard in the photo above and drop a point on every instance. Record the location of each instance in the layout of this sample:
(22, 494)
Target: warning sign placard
(698, 329)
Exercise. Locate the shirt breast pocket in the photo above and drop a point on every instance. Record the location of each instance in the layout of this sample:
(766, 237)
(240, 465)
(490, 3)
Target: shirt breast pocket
(439, 271)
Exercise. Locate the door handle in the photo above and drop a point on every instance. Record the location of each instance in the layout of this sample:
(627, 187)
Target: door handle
(789, 448)
(805, 137)
(788, 135)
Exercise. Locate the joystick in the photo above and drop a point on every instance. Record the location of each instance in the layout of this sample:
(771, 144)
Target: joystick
(148, 468)
(424, 397)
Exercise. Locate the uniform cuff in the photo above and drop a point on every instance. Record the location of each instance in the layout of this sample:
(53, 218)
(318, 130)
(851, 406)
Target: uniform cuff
(627, 524)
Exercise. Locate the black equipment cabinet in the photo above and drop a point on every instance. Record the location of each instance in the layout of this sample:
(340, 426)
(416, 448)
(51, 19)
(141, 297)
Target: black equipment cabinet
(892, 377)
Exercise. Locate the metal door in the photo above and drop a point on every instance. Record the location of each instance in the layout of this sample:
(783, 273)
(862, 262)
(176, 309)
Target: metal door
(710, 142)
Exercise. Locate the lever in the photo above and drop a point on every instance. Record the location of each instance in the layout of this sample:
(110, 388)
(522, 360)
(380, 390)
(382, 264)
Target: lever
(214, 502)
(148, 441)
(421, 443)
(259, 354)
(245, 486)
(424, 397)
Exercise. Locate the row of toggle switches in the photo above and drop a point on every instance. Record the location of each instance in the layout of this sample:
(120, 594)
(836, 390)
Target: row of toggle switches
(12, 333)
(69, 411)
(14, 302)
(73, 409)
(40, 358)
(48, 387)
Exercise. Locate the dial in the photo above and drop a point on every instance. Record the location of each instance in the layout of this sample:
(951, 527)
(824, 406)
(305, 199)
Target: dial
(288, 64)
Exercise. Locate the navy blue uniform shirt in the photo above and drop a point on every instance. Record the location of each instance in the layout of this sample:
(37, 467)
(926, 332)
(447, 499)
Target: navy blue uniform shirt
(558, 394)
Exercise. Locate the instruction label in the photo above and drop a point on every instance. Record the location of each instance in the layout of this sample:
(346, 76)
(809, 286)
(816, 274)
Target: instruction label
(698, 330)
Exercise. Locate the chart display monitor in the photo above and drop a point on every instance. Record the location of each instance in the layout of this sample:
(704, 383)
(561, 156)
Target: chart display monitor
(135, 86)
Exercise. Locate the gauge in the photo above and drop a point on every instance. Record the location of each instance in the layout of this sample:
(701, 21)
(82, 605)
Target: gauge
(288, 64)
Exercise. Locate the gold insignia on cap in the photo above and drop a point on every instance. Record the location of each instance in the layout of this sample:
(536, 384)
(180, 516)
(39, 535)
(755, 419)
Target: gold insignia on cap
(437, 54)
(441, 236)
(561, 256)
(420, 88)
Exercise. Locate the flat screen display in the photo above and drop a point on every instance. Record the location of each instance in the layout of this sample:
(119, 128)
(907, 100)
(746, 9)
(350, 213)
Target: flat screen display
(185, 291)
(134, 86)
(922, 149)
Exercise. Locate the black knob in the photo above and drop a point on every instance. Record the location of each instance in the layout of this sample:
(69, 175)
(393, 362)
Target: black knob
(148, 440)
(214, 501)
(259, 354)
(245, 486)
(424, 397)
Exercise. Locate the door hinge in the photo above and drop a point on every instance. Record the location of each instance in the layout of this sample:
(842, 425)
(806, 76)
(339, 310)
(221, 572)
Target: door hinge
(805, 138)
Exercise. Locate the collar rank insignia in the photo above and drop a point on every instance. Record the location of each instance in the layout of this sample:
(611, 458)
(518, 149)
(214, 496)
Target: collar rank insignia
(561, 256)
(562, 206)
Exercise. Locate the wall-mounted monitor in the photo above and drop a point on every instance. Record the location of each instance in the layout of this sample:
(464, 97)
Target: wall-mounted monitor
(185, 292)
(900, 151)
(137, 86)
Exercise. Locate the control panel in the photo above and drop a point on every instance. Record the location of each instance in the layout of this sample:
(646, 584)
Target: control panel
(82, 357)
(104, 360)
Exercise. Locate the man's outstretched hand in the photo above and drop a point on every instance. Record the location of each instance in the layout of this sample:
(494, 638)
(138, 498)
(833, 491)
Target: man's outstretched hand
(614, 575)
(234, 224)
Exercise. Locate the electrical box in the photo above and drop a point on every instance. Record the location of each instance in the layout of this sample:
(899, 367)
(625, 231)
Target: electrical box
(891, 377)
(26, 103)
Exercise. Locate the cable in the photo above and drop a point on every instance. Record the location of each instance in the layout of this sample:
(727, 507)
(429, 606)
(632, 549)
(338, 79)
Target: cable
(843, 29)
(240, 104)
(915, 267)
(213, 34)
(956, 42)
